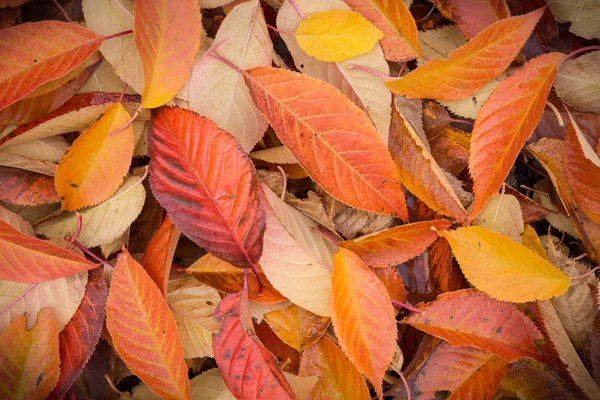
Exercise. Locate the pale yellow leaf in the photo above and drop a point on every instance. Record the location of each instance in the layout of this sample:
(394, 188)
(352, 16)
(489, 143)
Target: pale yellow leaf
(218, 91)
(16, 221)
(258, 310)
(275, 155)
(337, 35)
(20, 162)
(583, 15)
(296, 260)
(193, 305)
(104, 79)
(532, 241)
(62, 295)
(364, 89)
(116, 245)
(47, 149)
(103, 223)
(502, 214)
(578, 82)
(559, 221)
(312, 207)
(504, 269)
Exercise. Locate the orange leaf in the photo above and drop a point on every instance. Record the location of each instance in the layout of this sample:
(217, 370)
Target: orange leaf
(26, 188)
(29, 360)
(27, 259)
(473, 16)
(159, 254)
(582, 170)
(472, 318)
(392, 280)
(167, 35)
(471, 66)
(143, 330)
(505, 122)
(444, 273)
(338, 377)
(396, 245)
(467, 372)
(226, 278)
(362, 316)
(338, 147)
(297, 327)
(390, 16)
(30, 58)
(207, 184)
(79, 338)
(94, 166)
(451, 150)
(419, 172)
(249, 370)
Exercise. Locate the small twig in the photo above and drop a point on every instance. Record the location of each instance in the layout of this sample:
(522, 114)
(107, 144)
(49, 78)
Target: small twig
(62, 10)
(112, 385)
(556, 113)
(284, 188)
(402, 69)
(405, 385)
(579, 257)
(534, 190)
(400, 304)
(596, 268)
(424, 18)
(92, 255)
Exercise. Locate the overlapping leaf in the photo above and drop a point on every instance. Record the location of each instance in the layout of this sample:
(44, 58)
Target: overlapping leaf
(296, 260)
(249, 370)
(339, 147)
(337, 35)
(25, 188)
(362, 316)
(159, 254)
(396, 245)
(505, 122)
(207, 184)
(297, 327)
(144, 332)
(79, 338)
(27, 259)
(473, 16)
(471, 318)
(34, 60)
(29, 360)
(578, 82)
(502, 268)
(468, 68)
(167, 35)
(94, 166)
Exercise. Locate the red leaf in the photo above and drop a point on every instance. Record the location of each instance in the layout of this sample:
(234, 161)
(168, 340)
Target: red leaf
(26, 188)
(159, 254)
(472, 318)
(506, 120)
(143, 330)
(338, 146)
(473, 16)
(249, 370)
(36, 59)
(207, 184)
(79, 338)
(27, 259)
(444, 273)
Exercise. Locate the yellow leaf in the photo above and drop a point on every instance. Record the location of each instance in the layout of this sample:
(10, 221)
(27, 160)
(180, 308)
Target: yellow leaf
(95, 165)
(502, 268)
(337, 35)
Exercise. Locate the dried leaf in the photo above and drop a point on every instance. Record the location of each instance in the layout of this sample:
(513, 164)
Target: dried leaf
(583, 15)
(151, 350)
(25, 188)
(473, 16)
(159, 254)
(16, 221)
(578, 82)
(502, 214)
(478, 320)
(297, 327)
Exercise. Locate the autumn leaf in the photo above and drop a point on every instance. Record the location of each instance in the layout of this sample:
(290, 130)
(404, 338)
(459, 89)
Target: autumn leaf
(502, 268)
(362, 316)
(94, 166)
(158, 26)
(582, 171)
(79, 338)
(34, 60)
(217, 185)
(297, 327)
(159, 254)
(502, 214)
(151, 351)
(396, 245)
(478, 320)
(249, 370)
(27, 259)
(337, 156)
(473, 16)
(29, 361)
(578, 82)
(582, 15)
(505, 122)
(468, 68)
(336, 36)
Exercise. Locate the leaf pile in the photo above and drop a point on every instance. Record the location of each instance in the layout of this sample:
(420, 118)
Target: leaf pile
(299, 199)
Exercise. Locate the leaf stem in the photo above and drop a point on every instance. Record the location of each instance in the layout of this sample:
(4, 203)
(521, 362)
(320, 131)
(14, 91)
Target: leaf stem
(325, 235)
(226, 61)
(284, 188)
(559, 118)
(92, 255)
(9, 305)
(256, 276)
(62, 10)
(279, 30)
(590, 272)
(293, 3)
(400, 304)
(578, 51)
(115, 35)
(408, 395)
(137, 112)
(370, 71)
(77, 230)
